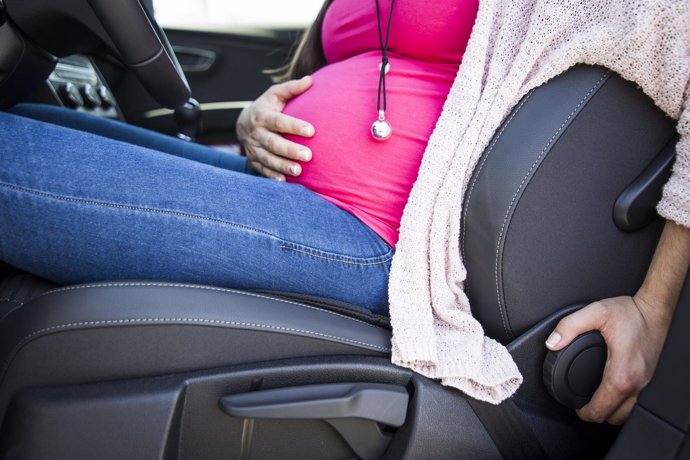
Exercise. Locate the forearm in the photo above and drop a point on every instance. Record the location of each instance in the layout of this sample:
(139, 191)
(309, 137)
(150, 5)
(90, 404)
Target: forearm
(661, 288)
(634, 328)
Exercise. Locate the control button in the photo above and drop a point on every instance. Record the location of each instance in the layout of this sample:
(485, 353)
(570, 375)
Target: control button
(90, 96)
(107, 100)
(70, 97)
(573, 373)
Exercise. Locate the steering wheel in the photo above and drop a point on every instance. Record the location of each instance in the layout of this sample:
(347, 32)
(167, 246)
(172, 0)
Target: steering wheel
(68, 27)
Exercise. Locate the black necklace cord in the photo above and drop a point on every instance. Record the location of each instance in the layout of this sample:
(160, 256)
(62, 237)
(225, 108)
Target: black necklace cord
(384, 57)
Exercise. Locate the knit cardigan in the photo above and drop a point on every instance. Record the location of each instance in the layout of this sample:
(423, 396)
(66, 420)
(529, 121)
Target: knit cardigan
(515, 46)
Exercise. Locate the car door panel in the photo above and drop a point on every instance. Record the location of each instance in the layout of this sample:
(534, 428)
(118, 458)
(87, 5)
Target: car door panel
(226, 71)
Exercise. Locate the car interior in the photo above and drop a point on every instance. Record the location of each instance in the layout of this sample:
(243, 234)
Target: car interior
(560, 212)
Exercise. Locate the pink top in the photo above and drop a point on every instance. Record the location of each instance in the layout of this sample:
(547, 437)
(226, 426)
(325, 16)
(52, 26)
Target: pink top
(368, 178)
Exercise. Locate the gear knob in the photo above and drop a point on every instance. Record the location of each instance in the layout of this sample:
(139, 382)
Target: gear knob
(188, 118)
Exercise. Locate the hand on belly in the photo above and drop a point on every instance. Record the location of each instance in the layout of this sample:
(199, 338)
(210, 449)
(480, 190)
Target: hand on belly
(260, 128)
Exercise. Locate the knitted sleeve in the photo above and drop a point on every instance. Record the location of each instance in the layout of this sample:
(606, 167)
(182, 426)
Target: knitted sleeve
(517, 46)
(675, 203)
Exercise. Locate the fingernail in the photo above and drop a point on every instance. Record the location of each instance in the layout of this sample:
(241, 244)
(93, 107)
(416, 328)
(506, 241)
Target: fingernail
(307, 131)
(294, 170)
(553, 339)
(280, 179)
(305, 155)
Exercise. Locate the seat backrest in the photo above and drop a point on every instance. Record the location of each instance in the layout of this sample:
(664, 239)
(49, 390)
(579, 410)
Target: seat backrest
(538, 231)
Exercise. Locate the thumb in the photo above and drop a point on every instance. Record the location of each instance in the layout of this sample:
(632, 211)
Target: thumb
(289, 89)
(587, 319)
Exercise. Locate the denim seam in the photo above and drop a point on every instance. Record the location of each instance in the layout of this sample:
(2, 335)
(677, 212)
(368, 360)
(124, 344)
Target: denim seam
(188, 321)
(344, 259)
(172, 213)
(129, 207)
(203, 288)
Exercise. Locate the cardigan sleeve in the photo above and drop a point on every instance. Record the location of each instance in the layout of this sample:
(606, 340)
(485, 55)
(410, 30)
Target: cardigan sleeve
(675, 202)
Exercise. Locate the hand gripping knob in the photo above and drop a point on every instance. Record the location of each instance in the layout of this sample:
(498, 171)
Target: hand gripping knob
(573, 374)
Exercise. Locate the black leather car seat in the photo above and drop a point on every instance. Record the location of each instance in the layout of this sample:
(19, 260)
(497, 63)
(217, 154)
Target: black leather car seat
(166, 370)
(555, 213)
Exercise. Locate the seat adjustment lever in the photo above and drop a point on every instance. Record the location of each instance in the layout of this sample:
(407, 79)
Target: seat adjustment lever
(381, 403)
(636, 205)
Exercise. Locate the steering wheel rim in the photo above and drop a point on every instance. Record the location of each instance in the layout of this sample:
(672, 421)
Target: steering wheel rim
(144, 47)
(125, 26)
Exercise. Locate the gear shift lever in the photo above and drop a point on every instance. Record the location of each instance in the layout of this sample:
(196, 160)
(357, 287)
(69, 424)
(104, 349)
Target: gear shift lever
(188, 118)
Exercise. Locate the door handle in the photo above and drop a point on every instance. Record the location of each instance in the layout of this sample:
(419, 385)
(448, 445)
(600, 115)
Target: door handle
(194, 60)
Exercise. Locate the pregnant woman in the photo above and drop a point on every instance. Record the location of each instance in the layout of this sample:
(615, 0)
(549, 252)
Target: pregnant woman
(367, 176)
(100, 209)
(346, 142)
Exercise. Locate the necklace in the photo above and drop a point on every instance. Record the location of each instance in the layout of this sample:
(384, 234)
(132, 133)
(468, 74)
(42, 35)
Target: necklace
(381, 129)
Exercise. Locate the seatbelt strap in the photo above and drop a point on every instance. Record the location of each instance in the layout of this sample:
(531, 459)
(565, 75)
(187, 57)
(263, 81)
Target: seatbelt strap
(509, 430)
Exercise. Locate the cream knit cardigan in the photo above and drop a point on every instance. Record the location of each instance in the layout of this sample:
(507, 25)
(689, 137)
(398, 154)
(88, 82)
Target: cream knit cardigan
(517, 45)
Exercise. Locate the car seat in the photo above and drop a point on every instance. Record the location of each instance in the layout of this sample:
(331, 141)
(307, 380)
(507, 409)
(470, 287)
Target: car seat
(559, 212)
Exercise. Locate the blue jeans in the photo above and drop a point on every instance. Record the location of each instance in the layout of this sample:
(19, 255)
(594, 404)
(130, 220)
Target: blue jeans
(78, 207)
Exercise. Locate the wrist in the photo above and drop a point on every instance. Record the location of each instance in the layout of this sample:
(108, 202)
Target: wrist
(656, 310)
(655, 297)
(659, 293)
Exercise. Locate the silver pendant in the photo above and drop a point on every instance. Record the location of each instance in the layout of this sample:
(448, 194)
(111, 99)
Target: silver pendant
(381, 129)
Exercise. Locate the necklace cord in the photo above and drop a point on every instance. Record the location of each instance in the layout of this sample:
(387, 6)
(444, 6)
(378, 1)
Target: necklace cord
(384, 56)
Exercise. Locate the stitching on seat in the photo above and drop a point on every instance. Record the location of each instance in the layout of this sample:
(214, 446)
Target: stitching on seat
(476, 176)
(481, 166)
(7, 299)
(501, 306)
(220, 322)
(184, 321)
(17, 306)
(203, 288)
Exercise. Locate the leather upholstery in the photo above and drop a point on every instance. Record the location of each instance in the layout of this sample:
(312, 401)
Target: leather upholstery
(118, 330)
(537, 235)
(537, 232)
(17, 288)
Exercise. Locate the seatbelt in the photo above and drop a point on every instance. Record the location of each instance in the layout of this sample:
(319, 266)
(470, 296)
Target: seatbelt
(509, 430)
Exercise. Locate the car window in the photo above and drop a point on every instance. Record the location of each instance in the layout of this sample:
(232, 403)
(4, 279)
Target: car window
(232, 14)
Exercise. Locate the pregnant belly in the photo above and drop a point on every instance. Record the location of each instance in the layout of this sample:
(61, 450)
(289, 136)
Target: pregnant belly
(370, 179)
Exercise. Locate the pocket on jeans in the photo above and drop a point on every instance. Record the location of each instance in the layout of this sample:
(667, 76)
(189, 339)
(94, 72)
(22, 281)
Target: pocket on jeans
(307, 251)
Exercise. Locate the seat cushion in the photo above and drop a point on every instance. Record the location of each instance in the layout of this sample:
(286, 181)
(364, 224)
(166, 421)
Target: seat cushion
(118, 330)
(18, 288)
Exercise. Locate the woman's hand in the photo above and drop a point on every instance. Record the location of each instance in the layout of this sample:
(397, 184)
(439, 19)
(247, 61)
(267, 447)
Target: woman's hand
(634, 328)
(634, 332)
(260, 126)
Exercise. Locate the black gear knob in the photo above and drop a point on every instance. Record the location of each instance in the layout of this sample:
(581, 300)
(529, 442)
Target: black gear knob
(188, 118)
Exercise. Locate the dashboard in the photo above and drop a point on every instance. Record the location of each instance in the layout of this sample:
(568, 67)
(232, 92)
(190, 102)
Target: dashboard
(77, 84)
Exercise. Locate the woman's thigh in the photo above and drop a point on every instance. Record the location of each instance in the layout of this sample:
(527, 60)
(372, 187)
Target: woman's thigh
(131, 134)
(76, 207)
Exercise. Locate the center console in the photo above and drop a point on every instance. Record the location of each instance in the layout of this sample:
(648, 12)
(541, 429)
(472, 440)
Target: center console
(77, 84)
